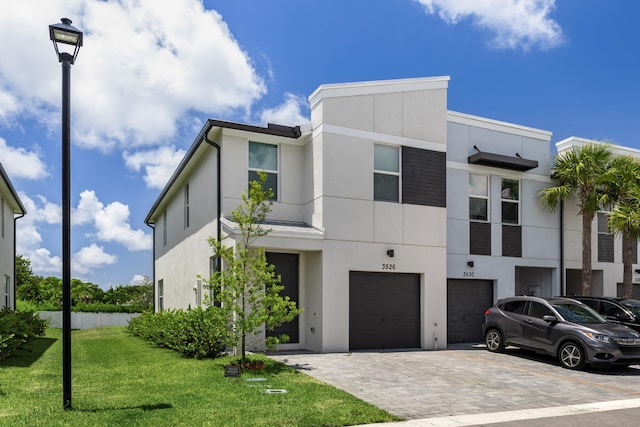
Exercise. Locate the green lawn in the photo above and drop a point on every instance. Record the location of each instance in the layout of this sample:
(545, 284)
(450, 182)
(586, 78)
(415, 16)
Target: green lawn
(119, 380)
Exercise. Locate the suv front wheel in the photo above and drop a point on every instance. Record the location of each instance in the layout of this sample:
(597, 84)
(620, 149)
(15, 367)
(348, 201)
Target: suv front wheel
(571, 355)
(493, 340)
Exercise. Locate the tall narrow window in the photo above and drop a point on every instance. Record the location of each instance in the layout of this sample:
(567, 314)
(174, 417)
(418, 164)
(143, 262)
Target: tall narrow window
(213, 289)
(478, 197)
(186, 206)
(386, 173)
(510, 196)
(164, 228)
(197, 288)
(160, 295)
(7, 291)
(605, 239)
(2, 215)
(264, 158)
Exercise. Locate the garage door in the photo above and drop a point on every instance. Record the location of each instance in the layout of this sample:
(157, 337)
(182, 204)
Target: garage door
(466, 302)
(384, 310)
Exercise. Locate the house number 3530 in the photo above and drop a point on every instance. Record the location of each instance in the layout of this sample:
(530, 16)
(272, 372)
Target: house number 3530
(388, 266)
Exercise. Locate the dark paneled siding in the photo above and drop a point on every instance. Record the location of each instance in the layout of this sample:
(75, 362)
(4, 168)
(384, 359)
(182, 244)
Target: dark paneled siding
(424, 177)
(479, 238)
(511, 240)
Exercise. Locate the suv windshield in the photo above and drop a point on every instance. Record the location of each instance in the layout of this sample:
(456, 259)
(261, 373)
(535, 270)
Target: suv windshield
(577, 313)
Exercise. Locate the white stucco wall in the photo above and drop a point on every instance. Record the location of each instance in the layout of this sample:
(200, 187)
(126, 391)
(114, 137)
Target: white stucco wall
(540, 228)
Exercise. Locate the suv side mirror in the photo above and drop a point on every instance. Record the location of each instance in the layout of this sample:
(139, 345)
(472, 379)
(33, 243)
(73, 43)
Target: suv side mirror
(549, 318)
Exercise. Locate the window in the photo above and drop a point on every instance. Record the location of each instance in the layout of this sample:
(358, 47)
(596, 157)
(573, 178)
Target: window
(186, 206)
(264, 158)
(197, 288)
(538, 310)
(164, 228)
(213, 288)
(478, 197)
(510, 196)
(605, 239)
(7, 291)
(516, 307)
(386, 173)
(2, 215)
(160, 294)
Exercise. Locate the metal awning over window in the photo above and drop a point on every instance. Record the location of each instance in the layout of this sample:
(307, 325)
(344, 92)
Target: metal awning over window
(516, 162)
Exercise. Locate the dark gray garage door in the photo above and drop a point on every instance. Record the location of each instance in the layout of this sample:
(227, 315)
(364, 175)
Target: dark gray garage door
(384, 310)
(466, 302)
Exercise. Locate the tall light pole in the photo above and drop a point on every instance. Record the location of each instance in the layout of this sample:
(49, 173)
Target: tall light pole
(67, 40)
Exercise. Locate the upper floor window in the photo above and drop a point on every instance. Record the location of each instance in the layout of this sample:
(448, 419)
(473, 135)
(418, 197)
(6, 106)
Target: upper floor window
(164, 228)
(605, 239)
(2, 215)
(478, 197)
(186, 206)
(386, 173)
(264, 158)
(510, 196)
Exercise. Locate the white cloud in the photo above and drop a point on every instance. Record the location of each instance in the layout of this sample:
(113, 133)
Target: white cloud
(110, 225)
(135, 77)
(113, 226)
(89, 258)
(20, 163)
(289, 113)
(158, 164)
(515, 23)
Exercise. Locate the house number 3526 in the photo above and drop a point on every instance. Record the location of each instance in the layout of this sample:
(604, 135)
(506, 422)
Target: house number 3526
(388, 266)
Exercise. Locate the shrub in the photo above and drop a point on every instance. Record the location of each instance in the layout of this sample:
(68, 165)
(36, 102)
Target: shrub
(197, 333)
(17, 328)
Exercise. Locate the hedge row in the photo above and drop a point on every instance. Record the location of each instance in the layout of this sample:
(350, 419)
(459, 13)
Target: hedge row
(197, 332)
(92, 307)
(17, 328)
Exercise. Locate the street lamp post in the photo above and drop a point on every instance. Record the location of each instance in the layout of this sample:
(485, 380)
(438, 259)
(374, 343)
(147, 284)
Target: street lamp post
(67, 40)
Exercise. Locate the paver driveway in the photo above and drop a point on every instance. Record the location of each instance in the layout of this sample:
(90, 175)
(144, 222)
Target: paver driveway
(463, 380)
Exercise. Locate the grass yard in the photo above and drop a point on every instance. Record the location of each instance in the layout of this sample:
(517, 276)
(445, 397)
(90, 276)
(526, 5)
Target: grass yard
(120, 380)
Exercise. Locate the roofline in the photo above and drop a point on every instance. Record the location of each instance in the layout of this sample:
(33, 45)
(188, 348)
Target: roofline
(12, 190)
(377, 87)
(497, 125)
(271, 129)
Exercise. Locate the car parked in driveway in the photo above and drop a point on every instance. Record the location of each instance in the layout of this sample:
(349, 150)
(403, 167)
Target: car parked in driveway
(617, 310)
(562, 327)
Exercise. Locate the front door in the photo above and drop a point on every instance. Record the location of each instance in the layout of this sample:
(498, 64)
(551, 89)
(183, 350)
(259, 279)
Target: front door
(286, 265)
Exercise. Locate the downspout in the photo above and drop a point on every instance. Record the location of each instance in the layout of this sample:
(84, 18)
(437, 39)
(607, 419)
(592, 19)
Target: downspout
(153, 270)
(15, 287)
(563, 288)
(219, 195)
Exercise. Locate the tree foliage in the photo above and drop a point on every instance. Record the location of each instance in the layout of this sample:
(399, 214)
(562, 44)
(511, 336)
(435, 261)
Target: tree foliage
(45, 293)
(248, 288)
(622, 183)
(579, 173)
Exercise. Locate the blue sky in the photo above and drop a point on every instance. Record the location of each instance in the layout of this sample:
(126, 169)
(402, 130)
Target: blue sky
(152, 71)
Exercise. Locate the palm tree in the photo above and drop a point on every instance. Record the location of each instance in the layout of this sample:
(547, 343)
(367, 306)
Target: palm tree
(623, 193)
(579, 173)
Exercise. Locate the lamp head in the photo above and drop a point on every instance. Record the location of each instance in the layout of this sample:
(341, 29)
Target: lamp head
(67, 40)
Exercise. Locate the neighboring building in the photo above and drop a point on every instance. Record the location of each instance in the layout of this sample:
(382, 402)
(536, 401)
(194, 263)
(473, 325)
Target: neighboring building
(11, 209)
(606, 248)
(395, 221)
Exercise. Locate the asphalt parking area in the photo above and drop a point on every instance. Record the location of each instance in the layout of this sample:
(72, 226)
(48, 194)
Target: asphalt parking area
(463, 380)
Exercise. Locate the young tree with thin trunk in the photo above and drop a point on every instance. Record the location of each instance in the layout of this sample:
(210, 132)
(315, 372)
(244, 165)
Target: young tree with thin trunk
(247, 288)
(579, 173)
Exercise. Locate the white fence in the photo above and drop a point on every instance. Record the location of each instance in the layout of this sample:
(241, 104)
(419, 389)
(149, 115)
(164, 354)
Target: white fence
(81, 320)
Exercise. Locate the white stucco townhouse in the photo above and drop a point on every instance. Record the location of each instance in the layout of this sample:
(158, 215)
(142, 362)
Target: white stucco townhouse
(606, 248)
(11, 209)
(395, 224)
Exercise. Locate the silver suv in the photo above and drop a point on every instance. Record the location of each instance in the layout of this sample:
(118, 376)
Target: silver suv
(561, 327)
